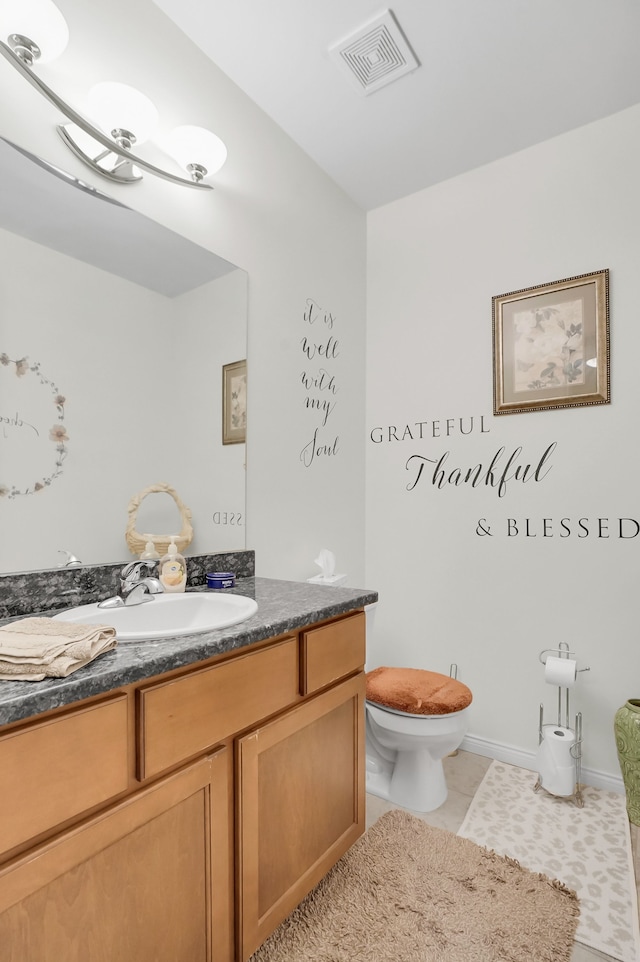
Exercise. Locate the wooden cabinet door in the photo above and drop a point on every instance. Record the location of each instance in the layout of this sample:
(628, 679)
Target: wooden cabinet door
(301, 805)
(147, 880)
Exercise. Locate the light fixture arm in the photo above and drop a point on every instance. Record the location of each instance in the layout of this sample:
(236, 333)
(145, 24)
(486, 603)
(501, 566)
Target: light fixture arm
(73, 116)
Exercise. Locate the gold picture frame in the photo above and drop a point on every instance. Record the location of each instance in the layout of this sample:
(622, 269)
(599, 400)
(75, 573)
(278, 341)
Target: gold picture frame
(551, 345)
(234, 402)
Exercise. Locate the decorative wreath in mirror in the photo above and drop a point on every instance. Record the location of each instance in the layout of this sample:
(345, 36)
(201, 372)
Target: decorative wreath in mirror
(137, 542)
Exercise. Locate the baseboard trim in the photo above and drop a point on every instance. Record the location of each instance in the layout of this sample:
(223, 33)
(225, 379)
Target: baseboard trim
(516, 756)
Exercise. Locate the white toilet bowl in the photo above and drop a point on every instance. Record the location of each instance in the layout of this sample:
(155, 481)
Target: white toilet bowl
(405, 752)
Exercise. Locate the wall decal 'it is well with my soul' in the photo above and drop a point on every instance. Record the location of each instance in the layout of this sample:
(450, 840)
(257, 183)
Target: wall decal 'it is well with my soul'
(320, 349)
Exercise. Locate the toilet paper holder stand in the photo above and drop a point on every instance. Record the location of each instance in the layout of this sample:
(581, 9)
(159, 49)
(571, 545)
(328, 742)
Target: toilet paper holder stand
(562, 651)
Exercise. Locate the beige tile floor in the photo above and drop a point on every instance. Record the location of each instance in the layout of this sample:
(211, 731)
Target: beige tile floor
(464, 772)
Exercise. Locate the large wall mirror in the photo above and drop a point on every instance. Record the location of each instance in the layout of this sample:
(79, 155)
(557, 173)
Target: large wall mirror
(114, 333)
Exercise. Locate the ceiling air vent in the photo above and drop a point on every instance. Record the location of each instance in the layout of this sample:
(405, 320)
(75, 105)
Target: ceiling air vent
(376, 54)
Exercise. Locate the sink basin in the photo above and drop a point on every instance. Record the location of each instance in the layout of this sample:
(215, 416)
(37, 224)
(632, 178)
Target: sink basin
(166, 614)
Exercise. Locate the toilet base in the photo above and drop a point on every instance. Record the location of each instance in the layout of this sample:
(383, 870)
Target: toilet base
(415, 781)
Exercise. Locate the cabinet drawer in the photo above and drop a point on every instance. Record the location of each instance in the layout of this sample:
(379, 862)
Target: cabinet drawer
(56, 769)
(332, 652)
(179, 719)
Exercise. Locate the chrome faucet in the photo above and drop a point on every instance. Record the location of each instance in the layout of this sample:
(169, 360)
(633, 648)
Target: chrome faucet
(70, 559)
(135, 589)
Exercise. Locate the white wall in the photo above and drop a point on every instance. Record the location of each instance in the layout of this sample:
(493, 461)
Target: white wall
(275, 214)
(492, 603)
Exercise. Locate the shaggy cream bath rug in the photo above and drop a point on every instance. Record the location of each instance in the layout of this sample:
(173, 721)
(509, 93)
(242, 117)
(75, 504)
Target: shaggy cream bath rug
(409, 892)
(589, 849)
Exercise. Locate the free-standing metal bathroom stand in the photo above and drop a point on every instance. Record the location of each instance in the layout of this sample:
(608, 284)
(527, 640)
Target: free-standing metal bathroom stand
(576, 749)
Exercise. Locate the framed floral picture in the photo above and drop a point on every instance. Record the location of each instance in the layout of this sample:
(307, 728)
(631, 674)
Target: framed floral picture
(551, 345)
(234, 402)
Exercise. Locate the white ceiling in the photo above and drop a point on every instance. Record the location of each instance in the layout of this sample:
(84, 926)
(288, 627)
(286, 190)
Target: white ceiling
(495, 76)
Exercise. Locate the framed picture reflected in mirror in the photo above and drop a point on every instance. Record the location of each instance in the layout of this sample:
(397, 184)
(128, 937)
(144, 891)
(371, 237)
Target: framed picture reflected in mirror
(234, 402)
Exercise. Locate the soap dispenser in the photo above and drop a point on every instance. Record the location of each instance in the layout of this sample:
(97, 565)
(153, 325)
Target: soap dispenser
(149, 553)
(173, 569)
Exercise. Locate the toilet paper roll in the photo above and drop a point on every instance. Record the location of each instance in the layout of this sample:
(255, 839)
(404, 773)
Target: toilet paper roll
(560, 671)
(554, 761)
(559, 741)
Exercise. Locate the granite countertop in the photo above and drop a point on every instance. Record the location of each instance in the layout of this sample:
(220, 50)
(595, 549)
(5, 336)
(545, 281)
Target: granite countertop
(282, 606)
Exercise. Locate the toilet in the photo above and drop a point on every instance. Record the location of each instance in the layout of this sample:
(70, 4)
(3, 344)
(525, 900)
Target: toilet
(414, 718)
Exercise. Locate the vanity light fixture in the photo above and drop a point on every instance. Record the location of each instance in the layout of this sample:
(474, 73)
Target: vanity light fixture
(22, 20)
(187, 142)
(126, 116)
(121, 116)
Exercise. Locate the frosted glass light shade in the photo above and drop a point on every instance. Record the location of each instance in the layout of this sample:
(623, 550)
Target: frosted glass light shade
(116, 106)
(196, 146)
(40, 21)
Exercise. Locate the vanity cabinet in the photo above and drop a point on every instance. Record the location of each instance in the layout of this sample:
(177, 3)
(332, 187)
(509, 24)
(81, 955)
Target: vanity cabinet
(53, 770)
(180, 718)
(147, 879)
(181, 819)
(301, 805)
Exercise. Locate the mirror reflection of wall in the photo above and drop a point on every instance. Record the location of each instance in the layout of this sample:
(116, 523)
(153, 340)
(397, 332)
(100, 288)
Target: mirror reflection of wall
(141, 378)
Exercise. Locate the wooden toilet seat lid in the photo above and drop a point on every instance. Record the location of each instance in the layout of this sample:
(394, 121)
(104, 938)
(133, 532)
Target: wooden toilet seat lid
(417, 691)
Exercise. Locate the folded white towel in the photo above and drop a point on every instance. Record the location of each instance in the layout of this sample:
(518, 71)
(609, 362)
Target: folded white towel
(36, 648)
